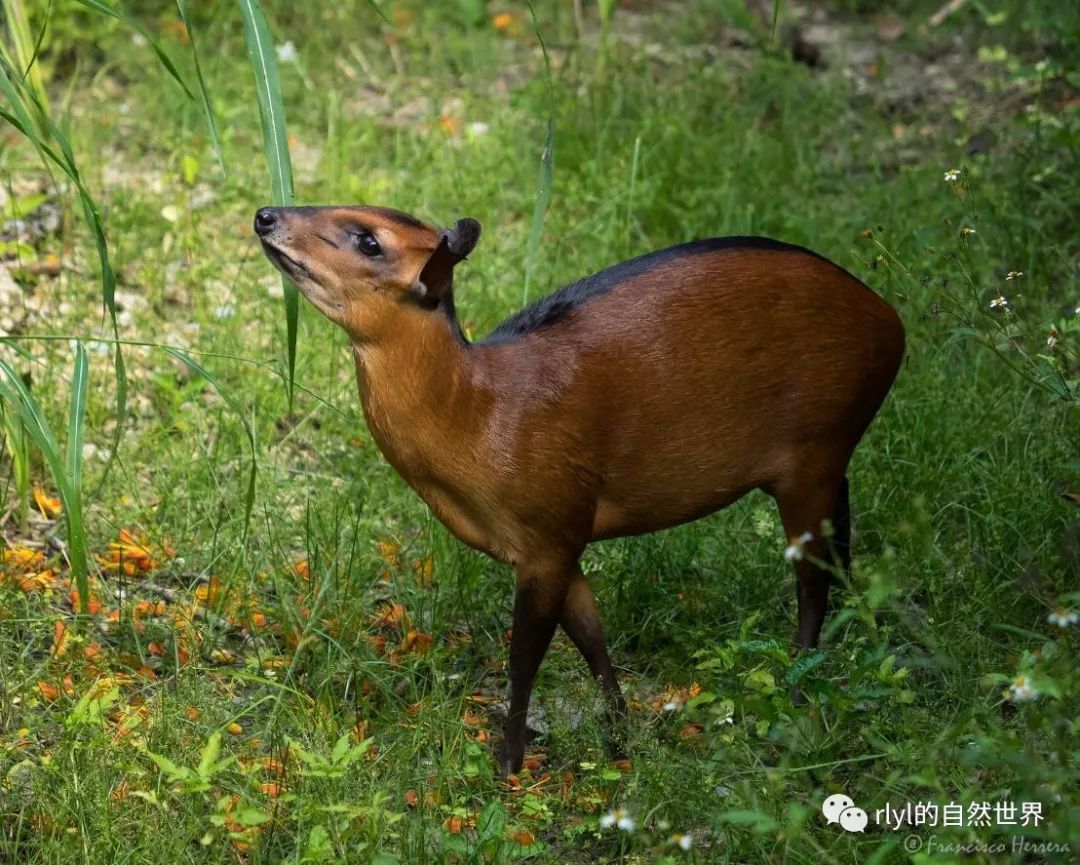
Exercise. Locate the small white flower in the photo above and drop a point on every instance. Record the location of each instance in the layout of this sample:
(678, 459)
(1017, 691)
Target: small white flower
(1063, 618)
(721, 721)
(619, 818)
(952, 175)
(1076, 311)
(682, 840)
(478, 127)
(286, 52)
(999, 302)
(1021, 690)
(794, 551)
(1013, 274)
(1052, 339)
(225, 311)
(672, 706)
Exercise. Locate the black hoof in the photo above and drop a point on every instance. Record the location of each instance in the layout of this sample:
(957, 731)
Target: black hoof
(508, 761)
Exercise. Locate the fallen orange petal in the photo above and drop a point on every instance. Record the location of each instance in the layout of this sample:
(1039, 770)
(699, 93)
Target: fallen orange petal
(22, 558)
(691, 731)
(47, 505)
(274, 767)
(60, 641)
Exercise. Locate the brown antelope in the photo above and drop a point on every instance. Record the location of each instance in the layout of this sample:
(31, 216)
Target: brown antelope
(647, 395)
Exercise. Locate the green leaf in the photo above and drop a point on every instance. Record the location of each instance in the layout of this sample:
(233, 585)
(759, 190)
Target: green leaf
(189, 169)
(90, 709)
(209, 754)
(341, 748)
(761, 681)
(491, 823)
(250, 816)
(803, 665)
(702, 699)
(174, 772)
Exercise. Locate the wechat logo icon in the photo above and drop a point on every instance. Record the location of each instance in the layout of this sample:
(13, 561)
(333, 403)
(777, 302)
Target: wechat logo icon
(839, 808)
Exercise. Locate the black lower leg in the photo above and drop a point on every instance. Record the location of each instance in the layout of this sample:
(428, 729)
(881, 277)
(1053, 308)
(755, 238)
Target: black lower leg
(813, 592)
(535, 619)
(841, 539)
(804, 505)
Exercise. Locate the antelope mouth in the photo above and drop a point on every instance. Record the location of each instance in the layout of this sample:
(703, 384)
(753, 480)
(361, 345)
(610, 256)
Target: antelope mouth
(283, 261)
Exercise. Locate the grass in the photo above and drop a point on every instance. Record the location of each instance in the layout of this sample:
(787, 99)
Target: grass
(310, 673)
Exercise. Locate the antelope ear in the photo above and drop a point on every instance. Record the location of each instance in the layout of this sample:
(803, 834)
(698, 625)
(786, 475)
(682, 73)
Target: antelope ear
(438, 273)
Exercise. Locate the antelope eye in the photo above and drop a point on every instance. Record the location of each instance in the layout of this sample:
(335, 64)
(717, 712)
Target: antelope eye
(367, 244)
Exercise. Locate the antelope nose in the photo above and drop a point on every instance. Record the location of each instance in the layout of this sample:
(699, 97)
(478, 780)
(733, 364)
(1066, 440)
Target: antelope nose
(266, 220)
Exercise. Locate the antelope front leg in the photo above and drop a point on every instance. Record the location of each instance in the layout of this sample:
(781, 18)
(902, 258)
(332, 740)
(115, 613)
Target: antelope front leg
(538, 603)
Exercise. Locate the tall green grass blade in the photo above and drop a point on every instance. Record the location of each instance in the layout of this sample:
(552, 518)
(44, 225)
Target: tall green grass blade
(275, 147)
(37, 43)
(379, 12)
(19, 453)
(204, 95)
(547, 170)
(66, 474)
(73, 509)
(19, 117)
(23, 48)
(196, 367)
(76, 433)
(134, 24)
(18, 94)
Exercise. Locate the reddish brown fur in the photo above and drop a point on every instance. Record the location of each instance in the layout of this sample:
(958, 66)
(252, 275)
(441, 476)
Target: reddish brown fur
(663, 399)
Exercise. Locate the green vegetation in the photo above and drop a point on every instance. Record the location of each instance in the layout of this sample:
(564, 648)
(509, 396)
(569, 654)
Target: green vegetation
(281, 655)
